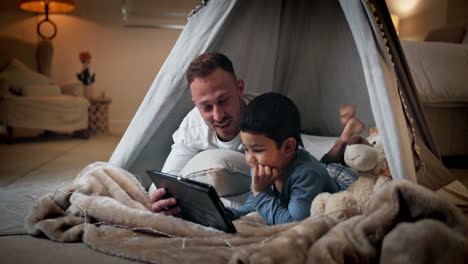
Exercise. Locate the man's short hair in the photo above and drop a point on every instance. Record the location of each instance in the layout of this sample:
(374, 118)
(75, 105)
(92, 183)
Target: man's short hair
(273, 115)
(206, 63)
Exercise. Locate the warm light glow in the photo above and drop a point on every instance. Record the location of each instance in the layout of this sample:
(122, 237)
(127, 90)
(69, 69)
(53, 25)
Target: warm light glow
(55, 6)
(396, 21)
(403, 8)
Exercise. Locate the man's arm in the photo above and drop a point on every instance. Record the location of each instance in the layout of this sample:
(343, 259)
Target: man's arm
(181, 150)
(179, 156)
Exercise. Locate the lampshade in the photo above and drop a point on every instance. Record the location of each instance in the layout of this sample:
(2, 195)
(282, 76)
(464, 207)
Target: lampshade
(47, 6)
(55, 6)
(396, 21)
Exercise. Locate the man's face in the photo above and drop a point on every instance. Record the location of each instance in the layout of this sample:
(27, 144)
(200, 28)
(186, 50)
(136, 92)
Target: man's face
(218, 97)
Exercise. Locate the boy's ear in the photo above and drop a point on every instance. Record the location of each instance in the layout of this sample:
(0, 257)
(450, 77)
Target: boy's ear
(289, 145)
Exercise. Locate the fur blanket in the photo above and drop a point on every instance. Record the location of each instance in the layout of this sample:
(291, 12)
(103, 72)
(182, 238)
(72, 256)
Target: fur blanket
(107, 209)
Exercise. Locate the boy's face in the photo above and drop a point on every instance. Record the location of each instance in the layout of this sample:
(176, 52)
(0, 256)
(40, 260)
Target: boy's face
(261, 150)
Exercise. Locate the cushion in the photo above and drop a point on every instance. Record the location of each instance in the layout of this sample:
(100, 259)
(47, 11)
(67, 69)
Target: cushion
(317, 146)
(17, 75)
(75, 89)
(226, 170)
(41, 90)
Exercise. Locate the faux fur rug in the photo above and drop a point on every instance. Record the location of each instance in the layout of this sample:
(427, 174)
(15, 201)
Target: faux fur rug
(107, 209)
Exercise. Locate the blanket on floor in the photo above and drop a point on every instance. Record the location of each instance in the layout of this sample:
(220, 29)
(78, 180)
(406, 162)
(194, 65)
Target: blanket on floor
(107, 209)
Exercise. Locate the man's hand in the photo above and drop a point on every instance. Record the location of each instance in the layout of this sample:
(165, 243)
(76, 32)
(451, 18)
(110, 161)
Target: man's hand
(162, 205)
(264, 176)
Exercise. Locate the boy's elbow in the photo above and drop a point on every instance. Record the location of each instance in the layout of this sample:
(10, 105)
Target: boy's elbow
(288, 219)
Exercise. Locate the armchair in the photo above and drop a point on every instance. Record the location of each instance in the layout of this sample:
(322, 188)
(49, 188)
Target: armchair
(29, 100)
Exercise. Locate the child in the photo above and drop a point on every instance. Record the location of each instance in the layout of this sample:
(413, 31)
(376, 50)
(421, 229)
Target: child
(285, 179)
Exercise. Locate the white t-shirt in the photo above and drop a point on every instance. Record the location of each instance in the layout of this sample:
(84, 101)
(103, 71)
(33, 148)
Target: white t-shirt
(194, 136)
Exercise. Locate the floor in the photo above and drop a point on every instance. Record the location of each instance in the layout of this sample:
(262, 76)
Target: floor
(31, 169)
(457, 191)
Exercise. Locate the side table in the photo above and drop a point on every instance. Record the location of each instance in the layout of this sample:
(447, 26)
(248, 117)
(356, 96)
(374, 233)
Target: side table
(98, 115)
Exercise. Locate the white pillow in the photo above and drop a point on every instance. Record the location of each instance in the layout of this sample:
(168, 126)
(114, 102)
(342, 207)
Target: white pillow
(75, 89)
(17, 75)
(317, 146)
(41, 90)
(226, 170)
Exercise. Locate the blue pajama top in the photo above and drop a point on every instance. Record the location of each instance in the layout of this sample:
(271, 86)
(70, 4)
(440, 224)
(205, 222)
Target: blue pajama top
(304, 179)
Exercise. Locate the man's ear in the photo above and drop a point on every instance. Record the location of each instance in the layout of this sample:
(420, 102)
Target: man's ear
(289, 145)
(240, 86)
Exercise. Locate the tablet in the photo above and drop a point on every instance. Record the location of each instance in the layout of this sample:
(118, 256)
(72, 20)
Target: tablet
(199, 201)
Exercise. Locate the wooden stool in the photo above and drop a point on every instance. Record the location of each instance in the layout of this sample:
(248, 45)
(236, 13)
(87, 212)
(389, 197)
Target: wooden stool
(98, 113)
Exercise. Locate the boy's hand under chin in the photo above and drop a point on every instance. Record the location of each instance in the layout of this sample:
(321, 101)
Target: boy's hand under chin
(264, 176)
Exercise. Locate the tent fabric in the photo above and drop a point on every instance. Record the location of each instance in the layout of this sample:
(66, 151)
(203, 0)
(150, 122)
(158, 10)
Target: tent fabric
(322, 54)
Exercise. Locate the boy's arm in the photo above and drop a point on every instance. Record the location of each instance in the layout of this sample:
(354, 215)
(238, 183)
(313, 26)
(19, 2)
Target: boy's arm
(243, 209)
(304, 187)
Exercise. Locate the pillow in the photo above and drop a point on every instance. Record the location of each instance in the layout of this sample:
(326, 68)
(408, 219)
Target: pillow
(17, 75)
(225, 170)
(41, 90)
(75, 89)
(317, 146)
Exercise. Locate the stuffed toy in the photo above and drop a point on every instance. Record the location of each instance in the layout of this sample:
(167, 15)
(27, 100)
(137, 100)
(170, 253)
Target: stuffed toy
(368, 158)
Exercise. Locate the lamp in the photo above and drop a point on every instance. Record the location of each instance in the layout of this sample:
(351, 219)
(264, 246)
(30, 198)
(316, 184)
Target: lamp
(396, 21)
(47, 6)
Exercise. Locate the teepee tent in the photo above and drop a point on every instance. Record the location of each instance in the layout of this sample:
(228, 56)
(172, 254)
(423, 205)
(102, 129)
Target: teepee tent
(322, 54)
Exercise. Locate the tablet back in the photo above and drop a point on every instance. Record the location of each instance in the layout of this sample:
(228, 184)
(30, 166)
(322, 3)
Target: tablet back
(199, 201)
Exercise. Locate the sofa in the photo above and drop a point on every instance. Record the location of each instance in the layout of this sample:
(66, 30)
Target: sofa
(439, 69)
(31, 103)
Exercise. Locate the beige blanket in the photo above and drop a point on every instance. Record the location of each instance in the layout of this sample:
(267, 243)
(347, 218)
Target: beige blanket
(107, 209)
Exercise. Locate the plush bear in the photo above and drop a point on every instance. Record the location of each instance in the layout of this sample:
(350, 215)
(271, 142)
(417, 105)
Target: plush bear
(368, 158)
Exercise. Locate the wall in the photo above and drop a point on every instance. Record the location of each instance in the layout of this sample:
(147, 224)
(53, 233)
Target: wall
(418, 17)
(125, 60)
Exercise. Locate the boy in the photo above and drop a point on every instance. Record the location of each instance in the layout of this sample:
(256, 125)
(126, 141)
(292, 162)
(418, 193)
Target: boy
(285, 179)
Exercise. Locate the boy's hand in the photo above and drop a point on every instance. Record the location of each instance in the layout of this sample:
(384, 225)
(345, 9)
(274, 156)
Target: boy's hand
(264, 176)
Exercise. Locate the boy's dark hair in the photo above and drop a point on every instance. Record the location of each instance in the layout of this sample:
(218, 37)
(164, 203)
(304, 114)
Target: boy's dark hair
(206, 63)
(273, 115)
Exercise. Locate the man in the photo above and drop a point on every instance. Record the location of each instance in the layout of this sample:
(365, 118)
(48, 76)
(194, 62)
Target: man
(219, 101)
